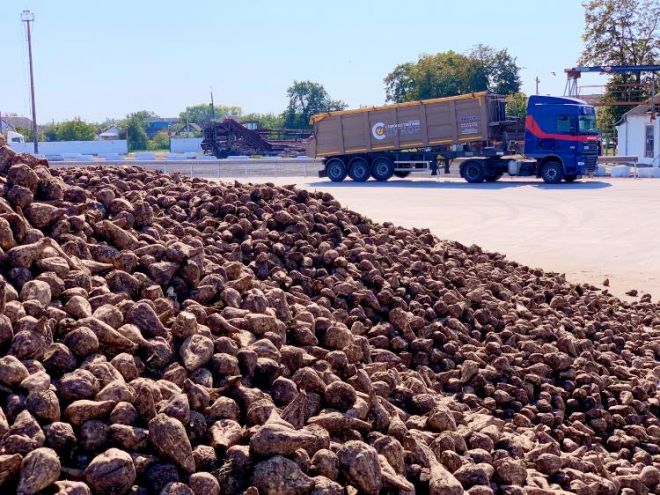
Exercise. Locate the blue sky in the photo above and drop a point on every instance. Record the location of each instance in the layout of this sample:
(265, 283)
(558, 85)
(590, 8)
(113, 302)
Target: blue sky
(98, 59)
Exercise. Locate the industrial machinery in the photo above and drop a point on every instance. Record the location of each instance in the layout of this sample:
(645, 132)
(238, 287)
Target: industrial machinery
(229, 137)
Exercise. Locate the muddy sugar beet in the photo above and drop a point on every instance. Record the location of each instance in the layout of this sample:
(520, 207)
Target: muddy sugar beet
(167, 335)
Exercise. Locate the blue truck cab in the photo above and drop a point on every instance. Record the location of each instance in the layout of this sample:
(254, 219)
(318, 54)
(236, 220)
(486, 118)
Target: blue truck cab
(561, 135)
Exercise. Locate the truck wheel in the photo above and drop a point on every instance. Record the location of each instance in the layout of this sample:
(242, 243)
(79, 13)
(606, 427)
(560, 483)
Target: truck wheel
(473, 172)
(552, 173)
(336, 170)
(359, 170)
(402, 175)
(382, 169)
(570, 178)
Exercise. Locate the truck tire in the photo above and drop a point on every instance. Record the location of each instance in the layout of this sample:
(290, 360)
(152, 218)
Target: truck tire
(570, 178)
(401, 175)
(552, 172)
(473, 172)
(382, 169)
(359, 170)
(336, 170)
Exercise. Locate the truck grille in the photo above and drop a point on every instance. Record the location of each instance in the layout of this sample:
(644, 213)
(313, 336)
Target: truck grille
(591, 161)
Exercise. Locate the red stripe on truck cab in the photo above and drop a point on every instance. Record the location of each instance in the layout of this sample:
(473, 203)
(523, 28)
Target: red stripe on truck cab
(532, 126)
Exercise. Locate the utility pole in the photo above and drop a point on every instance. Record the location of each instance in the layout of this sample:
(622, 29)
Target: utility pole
(212, 108)
(537, 80)
(28, 18)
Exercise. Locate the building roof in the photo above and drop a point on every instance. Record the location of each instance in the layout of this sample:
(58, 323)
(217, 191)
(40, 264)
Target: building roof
(643, 108)
(15, 121)
(169, 120)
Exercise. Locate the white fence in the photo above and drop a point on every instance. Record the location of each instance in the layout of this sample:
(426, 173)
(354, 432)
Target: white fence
(114, 146)
(185, 145)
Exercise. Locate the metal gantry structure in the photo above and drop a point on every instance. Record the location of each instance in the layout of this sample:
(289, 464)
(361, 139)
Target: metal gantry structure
(574, 73)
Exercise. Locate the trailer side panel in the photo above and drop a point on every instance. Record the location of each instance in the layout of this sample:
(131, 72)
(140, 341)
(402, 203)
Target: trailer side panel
(420, 124)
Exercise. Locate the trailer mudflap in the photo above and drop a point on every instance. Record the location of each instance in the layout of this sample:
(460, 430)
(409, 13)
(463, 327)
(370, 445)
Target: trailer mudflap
(323, 173)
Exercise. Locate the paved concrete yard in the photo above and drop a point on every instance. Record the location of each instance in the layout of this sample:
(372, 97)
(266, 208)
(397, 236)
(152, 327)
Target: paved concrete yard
(591, 230)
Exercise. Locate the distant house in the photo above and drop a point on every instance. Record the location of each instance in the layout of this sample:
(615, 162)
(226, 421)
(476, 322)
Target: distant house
(638, 133)
(190, 128)
(12, 122)
(158, 124)
(109, 134)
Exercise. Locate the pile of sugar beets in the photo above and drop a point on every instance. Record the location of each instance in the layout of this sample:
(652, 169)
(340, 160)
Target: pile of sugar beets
(167, 335)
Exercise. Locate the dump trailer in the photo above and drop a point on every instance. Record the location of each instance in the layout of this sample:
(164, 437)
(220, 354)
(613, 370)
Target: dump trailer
(229, 137)
(557, 141)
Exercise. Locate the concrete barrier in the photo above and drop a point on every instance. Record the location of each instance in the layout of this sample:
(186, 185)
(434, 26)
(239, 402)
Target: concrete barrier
(648, 172)
(620, 171)
(182, 145)
(119, 146)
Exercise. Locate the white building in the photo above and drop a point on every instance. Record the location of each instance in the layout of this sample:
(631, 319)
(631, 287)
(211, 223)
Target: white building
(638, 134)
(109, 134)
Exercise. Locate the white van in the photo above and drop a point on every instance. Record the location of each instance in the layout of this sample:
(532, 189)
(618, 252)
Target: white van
(14, 137)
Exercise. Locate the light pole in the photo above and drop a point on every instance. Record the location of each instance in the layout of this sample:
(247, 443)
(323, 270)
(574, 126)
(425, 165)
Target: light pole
(28, 18)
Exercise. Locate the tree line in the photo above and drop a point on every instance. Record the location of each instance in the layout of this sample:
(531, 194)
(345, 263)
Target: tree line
(305, 99)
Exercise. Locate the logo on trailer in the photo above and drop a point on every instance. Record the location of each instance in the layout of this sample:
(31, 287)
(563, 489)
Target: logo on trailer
(378, 130)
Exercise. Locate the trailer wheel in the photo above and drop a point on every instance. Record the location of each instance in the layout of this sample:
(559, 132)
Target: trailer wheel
(359, 170)
(382, 169)
(336, 170)
(401, 175)
(570, 178)
(473, 172)
(552, 173)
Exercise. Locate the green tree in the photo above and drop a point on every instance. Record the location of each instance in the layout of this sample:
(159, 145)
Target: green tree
(75, 130)
(135, 133)
(516, 105)
(201, 114)
(400, 83)
(161, 141)
(265, 120)
(25, 132)
(49, 132)
(133, 129)
(621, 32)
(44, 133)
(501, 69)
(450, 74)
(307, 98)
(443, 74)
(142, 116)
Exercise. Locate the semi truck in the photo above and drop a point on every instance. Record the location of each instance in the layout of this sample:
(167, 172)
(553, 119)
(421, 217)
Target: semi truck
(556, 141)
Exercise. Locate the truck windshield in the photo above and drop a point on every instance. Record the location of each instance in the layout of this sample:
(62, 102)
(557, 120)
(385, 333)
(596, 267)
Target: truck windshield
(587, 123)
